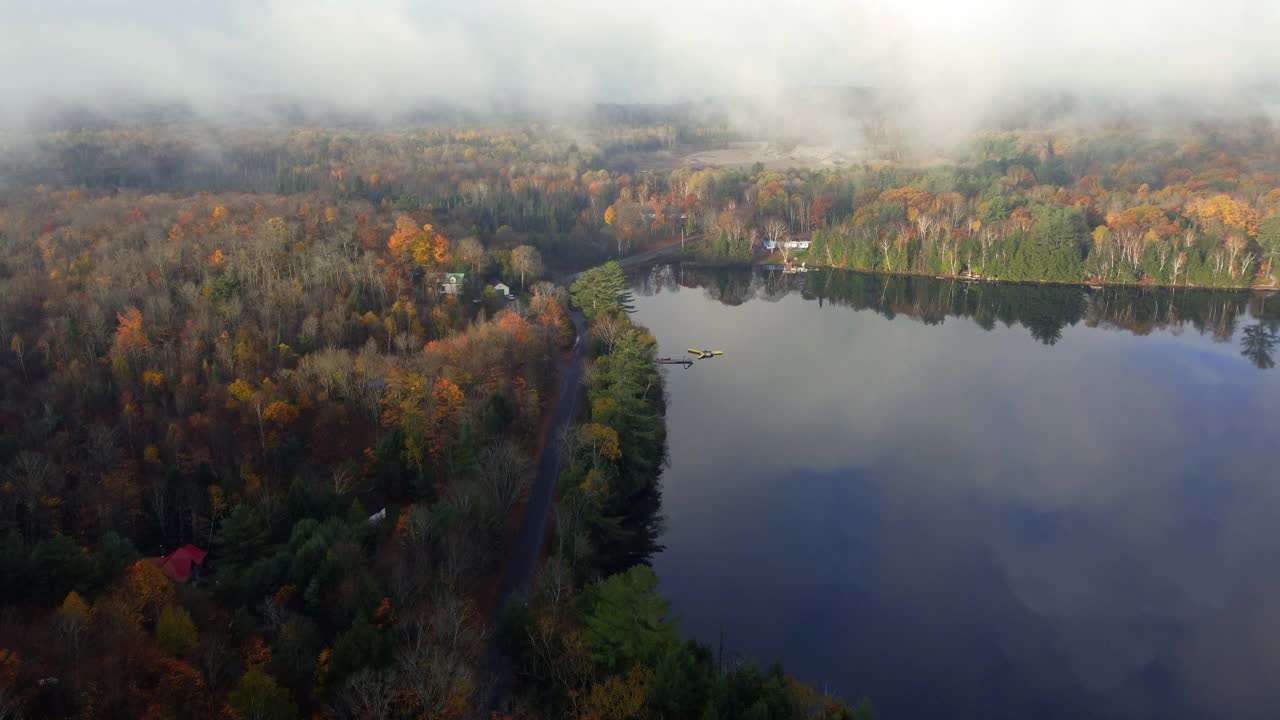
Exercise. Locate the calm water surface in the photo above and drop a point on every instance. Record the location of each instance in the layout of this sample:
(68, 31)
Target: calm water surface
(993, 501)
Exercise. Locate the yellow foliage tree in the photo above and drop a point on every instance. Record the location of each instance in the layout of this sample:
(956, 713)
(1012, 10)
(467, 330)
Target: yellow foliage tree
(620, 697)
(175, 630)
(153, 379)
(404, 405)
(1230, 212)
(146, 591)
(446, 407)
(241, 390)
(74, 606)
(603, 441)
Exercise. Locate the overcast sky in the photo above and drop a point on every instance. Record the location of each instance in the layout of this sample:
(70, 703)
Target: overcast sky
(391, 54)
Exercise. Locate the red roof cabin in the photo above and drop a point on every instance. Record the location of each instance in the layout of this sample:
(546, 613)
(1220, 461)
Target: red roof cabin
(182, 564)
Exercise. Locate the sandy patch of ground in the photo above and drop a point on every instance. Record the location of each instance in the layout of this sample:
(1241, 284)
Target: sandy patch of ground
(775, 157)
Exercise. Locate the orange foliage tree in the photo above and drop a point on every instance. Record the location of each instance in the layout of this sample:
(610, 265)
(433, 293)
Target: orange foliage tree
(146, 591)
(129, 333)
(446, 409)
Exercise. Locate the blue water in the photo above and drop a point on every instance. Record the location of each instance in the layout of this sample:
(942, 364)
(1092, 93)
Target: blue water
(968, 523)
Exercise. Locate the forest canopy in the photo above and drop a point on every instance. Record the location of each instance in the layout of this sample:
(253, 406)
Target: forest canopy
(273, 396)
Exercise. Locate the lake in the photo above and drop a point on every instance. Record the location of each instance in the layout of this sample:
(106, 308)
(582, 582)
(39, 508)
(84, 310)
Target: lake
(976, 501)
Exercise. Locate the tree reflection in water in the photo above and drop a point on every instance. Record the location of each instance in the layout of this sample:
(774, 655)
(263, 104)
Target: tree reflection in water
(1044, 310)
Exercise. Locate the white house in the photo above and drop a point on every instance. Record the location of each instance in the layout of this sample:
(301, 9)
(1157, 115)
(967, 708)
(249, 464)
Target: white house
(502, 289)
(452, 283)
(788, 244)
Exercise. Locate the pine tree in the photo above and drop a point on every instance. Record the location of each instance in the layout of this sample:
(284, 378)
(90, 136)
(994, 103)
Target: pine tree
(603, 291)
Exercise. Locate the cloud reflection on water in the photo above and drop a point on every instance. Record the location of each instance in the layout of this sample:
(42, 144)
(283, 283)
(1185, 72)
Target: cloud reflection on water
(947, 518)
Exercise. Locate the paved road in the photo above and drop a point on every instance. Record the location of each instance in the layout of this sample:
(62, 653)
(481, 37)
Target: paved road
(527, 546)
(639, 259)
(650, 255)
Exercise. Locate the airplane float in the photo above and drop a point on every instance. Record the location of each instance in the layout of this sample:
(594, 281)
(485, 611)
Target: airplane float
(688, 362)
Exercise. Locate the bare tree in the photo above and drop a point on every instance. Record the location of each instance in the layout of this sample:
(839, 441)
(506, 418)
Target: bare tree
(526, 260)
(504, 473)
(403, 342)
(219, 662)
(440, 649)
(159, 497)
(367, 695)
(884, 242)
(274, 616)
(1247, 262)
(609, 329)
(35, 477)
(775, 230)
(18, 347)
(346, 479)
(99, 448)
(69, 625)
(1235, 245)
(472, 253)
(10, 705)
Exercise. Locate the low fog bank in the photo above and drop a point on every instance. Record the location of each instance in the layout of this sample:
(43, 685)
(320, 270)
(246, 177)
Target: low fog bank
(831, 72)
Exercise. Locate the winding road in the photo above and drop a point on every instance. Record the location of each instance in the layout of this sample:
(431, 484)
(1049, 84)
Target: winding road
(526, 548)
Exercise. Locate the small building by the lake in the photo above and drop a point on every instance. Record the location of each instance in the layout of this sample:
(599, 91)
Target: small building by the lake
(502, 289)
(452, 283)
(788, 244)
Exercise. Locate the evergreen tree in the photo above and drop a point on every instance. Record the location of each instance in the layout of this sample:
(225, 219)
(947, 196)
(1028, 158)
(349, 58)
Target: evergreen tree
(626, 620)
(241, 541)
(1259, 344)
(113, 554)
(683, 681)
(602, 291)
(59, 565)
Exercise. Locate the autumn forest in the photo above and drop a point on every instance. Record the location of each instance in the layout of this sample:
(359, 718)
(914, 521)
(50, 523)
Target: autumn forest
(327, 357)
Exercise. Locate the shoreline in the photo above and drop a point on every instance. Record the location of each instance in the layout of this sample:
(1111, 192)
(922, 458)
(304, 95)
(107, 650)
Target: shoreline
(994, 281)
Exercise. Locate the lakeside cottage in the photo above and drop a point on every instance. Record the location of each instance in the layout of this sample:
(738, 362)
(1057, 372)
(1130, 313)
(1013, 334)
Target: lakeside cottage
(788, 244)
(452, 283)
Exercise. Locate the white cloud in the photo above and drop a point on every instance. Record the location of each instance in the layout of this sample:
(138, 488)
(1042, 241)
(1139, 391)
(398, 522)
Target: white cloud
(951, 58)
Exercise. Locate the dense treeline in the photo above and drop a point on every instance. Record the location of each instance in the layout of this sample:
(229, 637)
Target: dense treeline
(1194, 207)
(256, 375)
(595, 639)
(1197, 208)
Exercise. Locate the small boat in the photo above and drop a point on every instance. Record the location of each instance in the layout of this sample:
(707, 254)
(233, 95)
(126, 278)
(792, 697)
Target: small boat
(705, 354)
